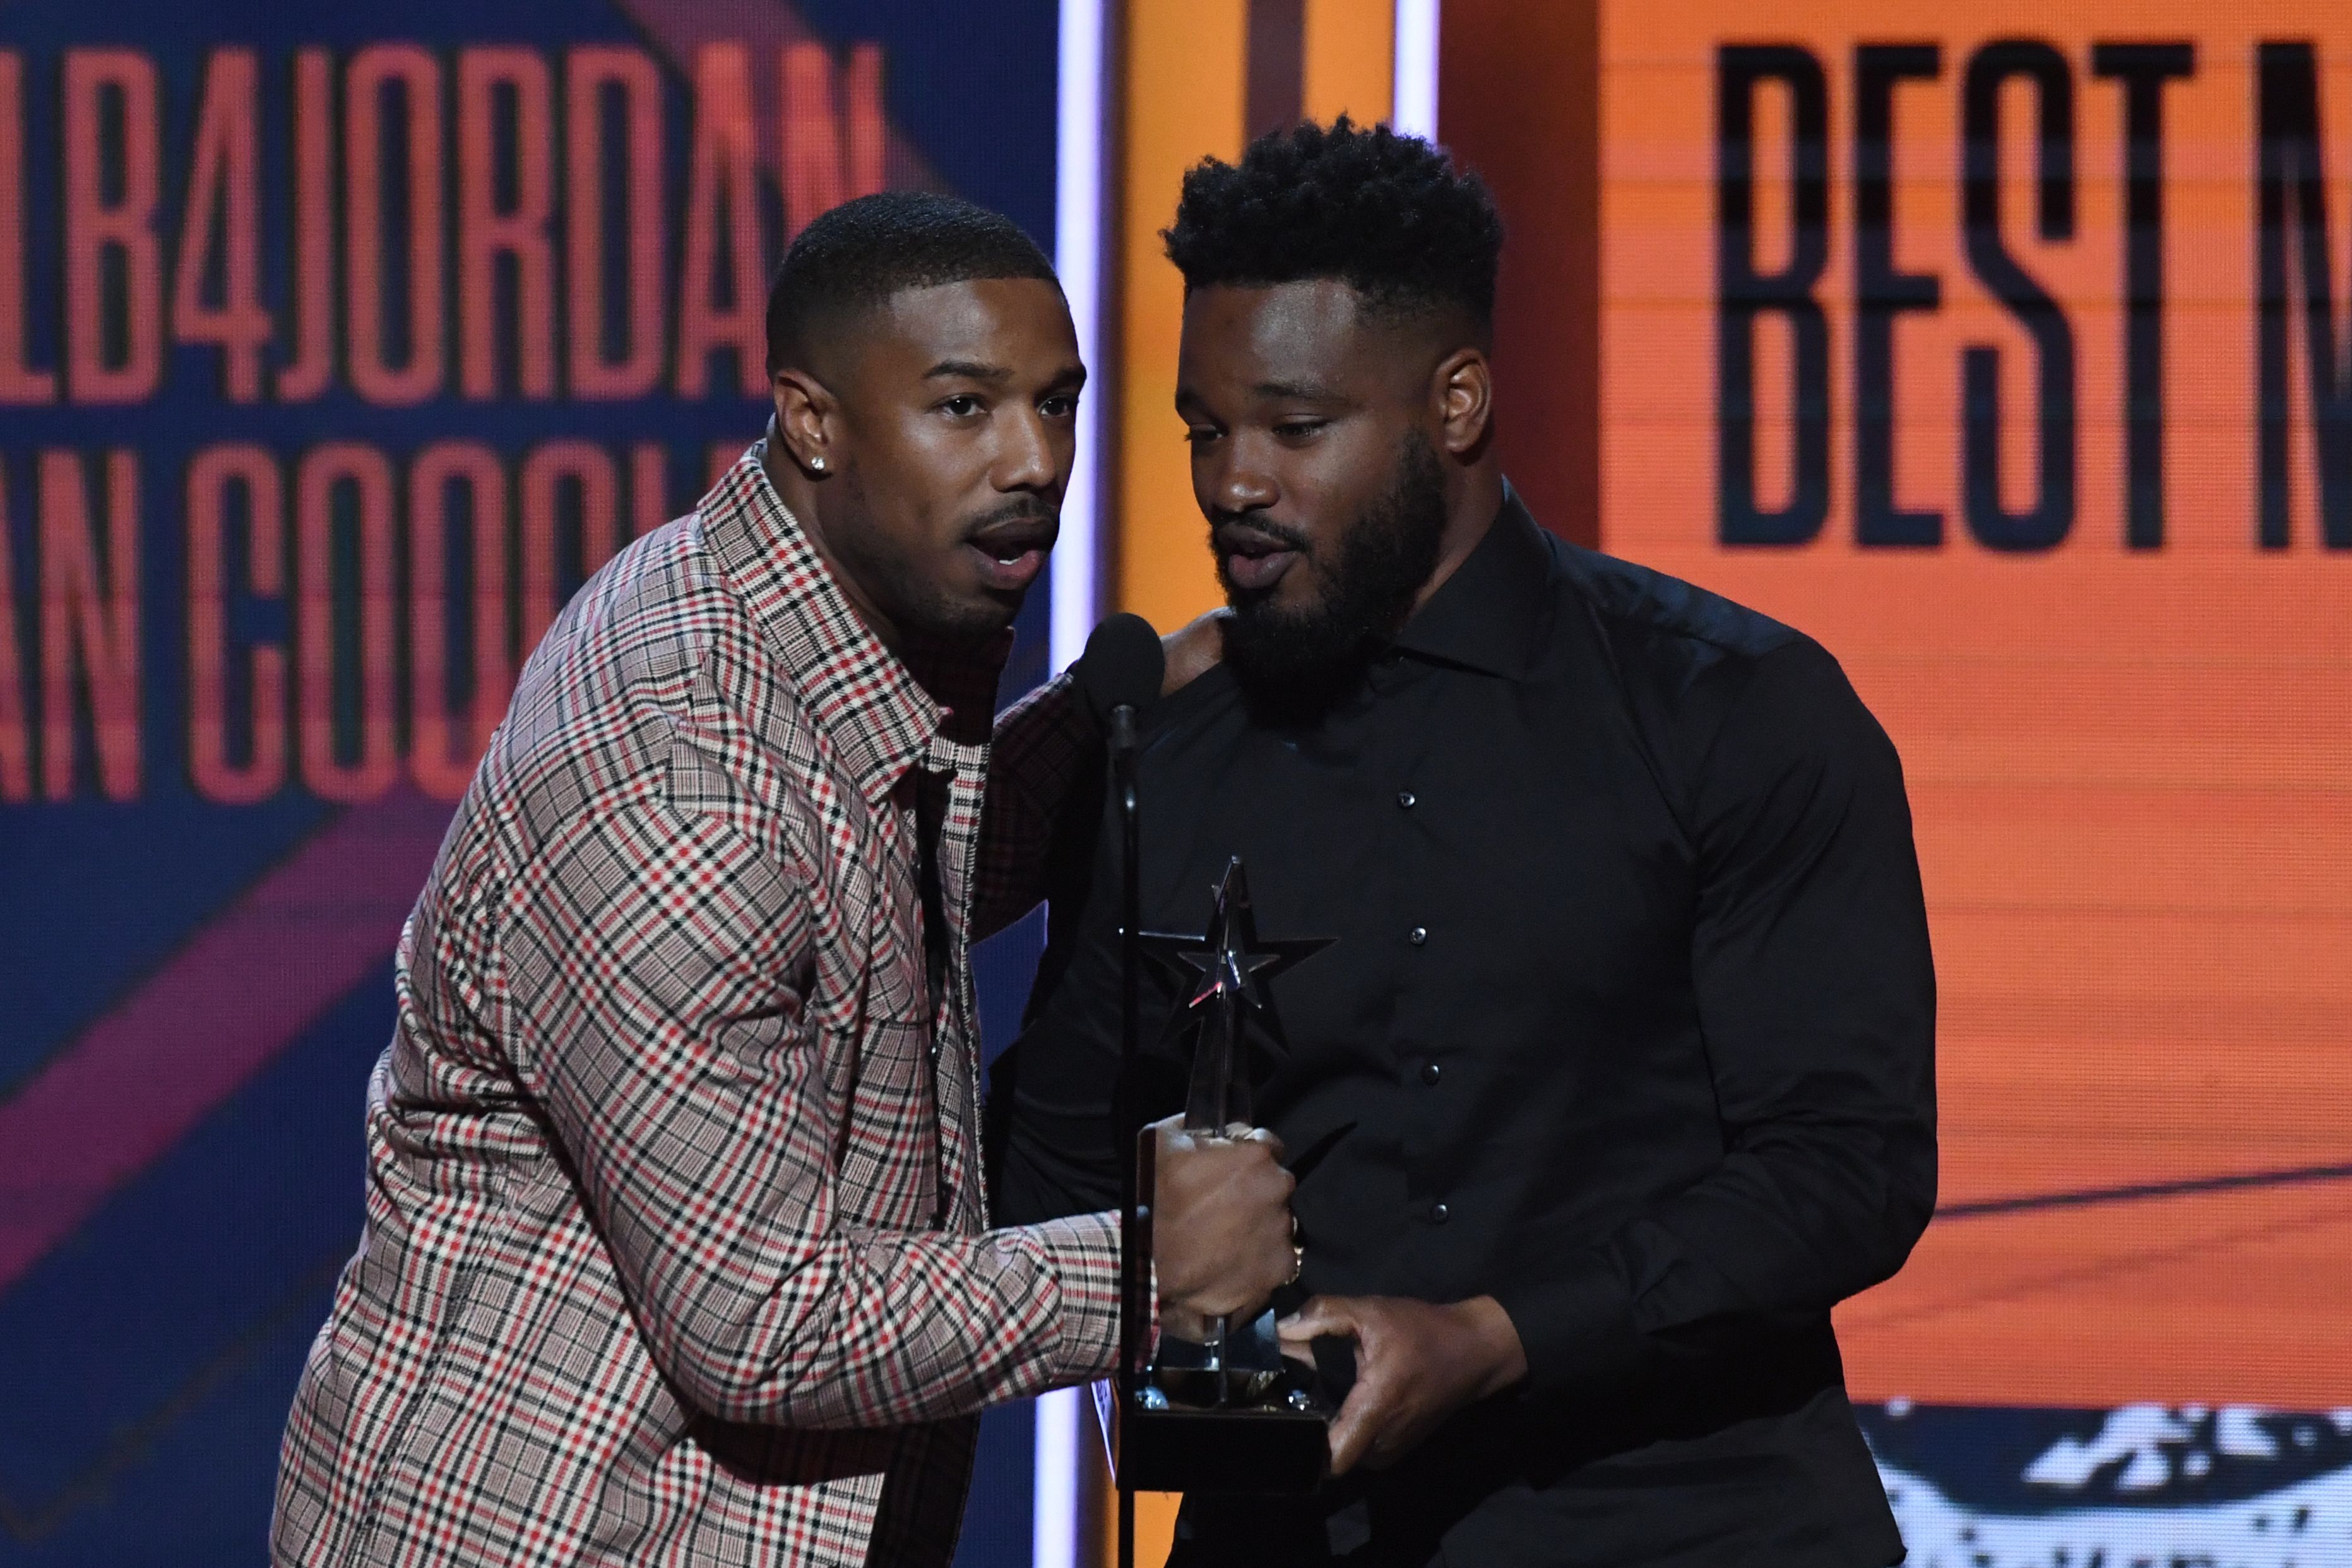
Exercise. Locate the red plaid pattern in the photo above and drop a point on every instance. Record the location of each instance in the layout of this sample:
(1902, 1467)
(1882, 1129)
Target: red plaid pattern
(676, 1247)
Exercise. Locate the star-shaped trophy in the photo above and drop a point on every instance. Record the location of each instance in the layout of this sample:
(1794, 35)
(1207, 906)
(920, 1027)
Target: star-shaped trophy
(1219, 1408)
(1229, 966)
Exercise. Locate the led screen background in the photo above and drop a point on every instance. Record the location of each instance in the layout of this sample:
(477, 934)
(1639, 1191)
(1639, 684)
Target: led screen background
(2118, 666)
(2006, 350)
(337, 345)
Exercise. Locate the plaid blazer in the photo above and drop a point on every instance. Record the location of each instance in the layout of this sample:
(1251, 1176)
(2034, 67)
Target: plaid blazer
(675, 1249)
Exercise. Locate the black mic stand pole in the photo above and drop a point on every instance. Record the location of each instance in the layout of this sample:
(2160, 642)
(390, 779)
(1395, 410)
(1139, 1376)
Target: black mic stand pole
(1134, 1278)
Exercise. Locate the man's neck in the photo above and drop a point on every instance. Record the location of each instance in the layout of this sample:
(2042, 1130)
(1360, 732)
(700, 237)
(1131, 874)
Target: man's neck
(1471, 507)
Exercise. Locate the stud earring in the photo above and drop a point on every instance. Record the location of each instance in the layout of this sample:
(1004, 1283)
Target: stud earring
(816, 464)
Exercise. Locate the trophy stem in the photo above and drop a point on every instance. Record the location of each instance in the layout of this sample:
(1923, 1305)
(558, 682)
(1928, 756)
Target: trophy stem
(1218, 1102)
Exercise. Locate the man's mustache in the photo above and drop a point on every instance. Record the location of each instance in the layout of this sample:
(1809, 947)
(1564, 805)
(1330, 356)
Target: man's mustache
(1233, 529)
(1031, 510)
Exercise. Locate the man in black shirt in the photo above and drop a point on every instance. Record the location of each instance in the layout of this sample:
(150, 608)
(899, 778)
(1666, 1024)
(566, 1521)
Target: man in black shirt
(1619, 1074)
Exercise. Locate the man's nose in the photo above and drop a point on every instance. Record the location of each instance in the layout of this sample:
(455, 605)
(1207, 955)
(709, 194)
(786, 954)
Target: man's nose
(1241, 486)
(1030, 458)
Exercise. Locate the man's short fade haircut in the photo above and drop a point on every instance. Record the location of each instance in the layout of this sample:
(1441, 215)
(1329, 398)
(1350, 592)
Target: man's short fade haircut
(857, 256)
(1389, 216)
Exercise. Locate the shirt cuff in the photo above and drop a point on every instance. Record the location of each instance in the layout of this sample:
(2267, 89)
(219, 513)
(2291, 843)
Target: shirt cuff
(1083, 1251)
(1576, 1326)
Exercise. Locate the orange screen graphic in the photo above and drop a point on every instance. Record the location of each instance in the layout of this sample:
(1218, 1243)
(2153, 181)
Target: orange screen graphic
(2126, 713)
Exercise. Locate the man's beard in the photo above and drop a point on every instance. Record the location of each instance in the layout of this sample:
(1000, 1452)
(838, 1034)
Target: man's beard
(1293, 665)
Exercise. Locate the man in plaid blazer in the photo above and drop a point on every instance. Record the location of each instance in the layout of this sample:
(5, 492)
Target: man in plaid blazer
(675, 1249)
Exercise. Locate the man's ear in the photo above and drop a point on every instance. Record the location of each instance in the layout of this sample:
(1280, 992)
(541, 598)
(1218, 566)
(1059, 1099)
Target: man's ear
(806, 419)
(1463, 387)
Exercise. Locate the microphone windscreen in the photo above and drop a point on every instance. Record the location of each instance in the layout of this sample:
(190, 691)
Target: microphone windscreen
(1123, 664)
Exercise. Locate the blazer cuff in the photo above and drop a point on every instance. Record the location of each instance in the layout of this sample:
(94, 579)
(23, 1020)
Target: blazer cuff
(1083, 1251)
(1576, 1326)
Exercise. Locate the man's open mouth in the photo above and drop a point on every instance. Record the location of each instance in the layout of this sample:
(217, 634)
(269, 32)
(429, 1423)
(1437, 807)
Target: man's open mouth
(1251, 561)
(1012, 553)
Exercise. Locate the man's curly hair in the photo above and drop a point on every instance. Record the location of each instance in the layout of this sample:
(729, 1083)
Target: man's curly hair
(1389, 216)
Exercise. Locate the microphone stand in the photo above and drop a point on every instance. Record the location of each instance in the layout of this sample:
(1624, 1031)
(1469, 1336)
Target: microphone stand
(1134, 1278)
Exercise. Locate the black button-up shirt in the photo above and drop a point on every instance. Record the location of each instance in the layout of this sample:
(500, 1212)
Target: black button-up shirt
(1629, 1023)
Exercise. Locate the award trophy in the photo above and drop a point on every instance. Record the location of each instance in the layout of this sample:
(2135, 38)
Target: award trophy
(1218, 1408)
(1221, 1411)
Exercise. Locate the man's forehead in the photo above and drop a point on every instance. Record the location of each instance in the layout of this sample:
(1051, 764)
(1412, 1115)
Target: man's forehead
(1319, 308)
(986, 318)
(1280, 337)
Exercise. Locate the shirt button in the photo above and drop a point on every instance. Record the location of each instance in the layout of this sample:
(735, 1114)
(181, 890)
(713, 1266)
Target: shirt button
(1418, 935)
(1431, 1072)
(1439, 1213)
(1406, 798)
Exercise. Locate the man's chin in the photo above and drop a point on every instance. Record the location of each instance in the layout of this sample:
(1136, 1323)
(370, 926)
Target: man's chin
(979, 616)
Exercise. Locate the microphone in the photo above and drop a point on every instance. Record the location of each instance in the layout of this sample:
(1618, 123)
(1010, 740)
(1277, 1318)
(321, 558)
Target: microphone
(1119, 674)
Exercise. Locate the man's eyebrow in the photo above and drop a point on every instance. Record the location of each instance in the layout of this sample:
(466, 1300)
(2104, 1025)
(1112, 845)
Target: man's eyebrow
(1303, 391)
(966, 370)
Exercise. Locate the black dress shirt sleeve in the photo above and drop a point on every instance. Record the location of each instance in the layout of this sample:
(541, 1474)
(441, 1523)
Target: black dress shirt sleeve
(1816, 995)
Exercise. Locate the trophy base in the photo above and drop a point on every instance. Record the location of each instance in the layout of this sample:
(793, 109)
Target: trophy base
(1245, 1369)
(1203, 1388)
(1266, 1452)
